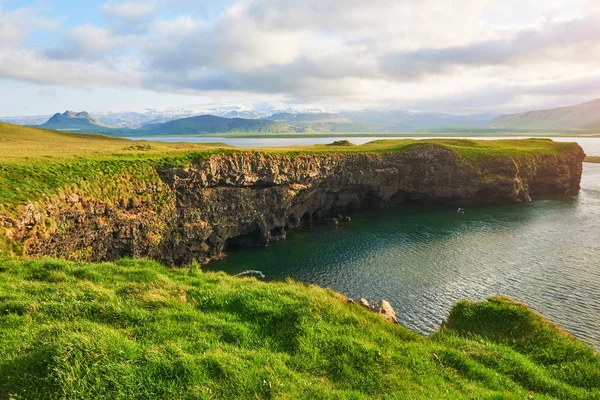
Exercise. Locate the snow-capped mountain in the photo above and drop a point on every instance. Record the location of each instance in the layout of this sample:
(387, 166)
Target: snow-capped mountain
(309, 119)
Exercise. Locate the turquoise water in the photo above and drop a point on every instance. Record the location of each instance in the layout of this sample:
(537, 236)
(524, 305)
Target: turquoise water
(423, 259)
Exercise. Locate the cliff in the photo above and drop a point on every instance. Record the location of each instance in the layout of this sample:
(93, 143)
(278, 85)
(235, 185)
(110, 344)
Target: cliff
(179, 213)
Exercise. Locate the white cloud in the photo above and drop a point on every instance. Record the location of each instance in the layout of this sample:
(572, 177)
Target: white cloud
(87, 42)
(14, 25)
(181, 26)
(412, 53)
(131, 11)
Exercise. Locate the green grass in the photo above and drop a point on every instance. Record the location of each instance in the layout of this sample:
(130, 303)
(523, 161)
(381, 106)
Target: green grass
(36, 164)
(134, 329)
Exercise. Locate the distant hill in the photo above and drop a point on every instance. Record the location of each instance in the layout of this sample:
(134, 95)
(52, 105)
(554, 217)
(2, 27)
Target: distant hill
(306, 118)
(213, 124)
(281, 122)
(581, 116)
(26, 120)
(398, 120)
(78, 122)
(378, 120)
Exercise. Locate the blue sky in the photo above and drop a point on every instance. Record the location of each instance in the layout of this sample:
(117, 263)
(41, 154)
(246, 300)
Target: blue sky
(433, 55)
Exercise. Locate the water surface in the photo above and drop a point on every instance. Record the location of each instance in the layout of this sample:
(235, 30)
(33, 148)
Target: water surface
(424, 258)
(590, 145)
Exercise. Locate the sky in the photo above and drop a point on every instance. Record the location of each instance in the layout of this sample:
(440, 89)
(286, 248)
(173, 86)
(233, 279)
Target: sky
(457, 56)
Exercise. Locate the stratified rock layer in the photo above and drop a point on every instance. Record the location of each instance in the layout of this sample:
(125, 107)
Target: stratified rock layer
(252, 199)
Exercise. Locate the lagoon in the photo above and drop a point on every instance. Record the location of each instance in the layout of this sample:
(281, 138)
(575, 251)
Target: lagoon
(424, 258)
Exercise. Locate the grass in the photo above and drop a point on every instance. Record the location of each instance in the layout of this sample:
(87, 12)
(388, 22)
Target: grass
(36, 164)
(134, 329)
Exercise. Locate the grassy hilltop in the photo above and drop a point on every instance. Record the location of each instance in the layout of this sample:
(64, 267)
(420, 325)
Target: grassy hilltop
(135, 329)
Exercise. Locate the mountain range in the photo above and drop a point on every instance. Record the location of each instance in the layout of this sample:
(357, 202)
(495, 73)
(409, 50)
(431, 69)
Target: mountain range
(379, 121)
(584, 116)
(203, 124)
(214, 124)
(288, 121)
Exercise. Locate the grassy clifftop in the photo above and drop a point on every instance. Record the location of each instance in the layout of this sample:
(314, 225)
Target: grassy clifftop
(36, 163)
(134, 329)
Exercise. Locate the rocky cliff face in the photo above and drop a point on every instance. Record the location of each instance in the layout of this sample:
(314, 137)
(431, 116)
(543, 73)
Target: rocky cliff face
(252, 199)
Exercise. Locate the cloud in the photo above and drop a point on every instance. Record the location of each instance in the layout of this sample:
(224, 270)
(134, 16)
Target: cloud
(16, 24)
(565, 41)
(29, 66)
(86, 43)
(179, 27)
(48, 92)
(71, 65)
(130, 11)
(130, 17)
(414, 54)
(231, 41)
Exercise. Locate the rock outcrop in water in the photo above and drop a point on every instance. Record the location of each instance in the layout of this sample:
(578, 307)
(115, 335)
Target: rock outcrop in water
(252, 199)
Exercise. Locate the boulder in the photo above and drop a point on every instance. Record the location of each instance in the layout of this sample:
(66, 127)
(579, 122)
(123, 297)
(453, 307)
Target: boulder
(385, 309)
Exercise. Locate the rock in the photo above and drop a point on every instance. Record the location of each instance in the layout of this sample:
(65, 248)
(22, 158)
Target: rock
(341, 143)
(331, 221)
(73, 198)
(385, 309)
(347, 219)
(31, 217)
(6, 222)
(363, 302)
(349, 300)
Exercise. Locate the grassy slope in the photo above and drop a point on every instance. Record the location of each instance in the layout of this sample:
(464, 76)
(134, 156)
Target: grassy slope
(135, 329)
